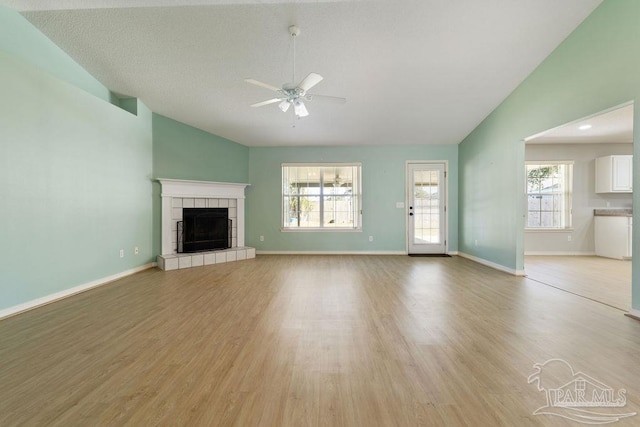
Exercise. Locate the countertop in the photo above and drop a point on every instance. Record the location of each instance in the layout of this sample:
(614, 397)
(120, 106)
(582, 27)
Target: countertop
(613, 212)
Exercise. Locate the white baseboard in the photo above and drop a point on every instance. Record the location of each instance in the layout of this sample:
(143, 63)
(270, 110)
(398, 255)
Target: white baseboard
(452, 253)
(30, 305)
(330, 252)
(554, 253)
(634, 314)
(492, 264)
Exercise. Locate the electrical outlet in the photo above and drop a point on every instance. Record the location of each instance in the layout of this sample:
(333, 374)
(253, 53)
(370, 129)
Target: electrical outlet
(476, 244)
(121, 253)
(371, 238)
(569, 238)
(262, 238)
(136, 251)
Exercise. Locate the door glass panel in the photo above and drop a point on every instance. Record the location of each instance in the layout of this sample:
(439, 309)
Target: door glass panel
(426, 204)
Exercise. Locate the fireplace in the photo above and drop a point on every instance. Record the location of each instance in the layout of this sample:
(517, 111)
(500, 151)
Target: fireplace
(179, 196)
(204, 229)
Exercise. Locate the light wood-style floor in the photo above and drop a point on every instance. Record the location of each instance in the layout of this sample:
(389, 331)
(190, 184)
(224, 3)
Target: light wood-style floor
(602, 279)
(309, 341)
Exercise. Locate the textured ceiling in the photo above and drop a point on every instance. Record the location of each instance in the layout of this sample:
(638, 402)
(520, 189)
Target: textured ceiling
(413, 71)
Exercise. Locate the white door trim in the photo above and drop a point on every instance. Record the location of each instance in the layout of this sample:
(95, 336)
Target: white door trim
(445, 199)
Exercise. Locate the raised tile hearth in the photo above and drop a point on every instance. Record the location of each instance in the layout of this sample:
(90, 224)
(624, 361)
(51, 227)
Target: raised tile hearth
(180, 261)
(178, 194)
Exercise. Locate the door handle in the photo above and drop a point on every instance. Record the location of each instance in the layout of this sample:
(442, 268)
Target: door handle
(410, 213)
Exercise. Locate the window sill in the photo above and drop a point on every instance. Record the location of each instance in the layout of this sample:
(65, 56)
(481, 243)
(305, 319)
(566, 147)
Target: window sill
(321, 230)
(548, 230)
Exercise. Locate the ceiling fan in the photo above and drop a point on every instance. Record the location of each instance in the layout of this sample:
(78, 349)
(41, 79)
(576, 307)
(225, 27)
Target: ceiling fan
(292, 94)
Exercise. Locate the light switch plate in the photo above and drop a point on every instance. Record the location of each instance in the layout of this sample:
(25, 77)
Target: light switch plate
(400, 205)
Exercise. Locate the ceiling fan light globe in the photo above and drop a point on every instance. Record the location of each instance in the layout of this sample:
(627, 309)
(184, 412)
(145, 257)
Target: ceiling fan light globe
(284, 106)
(300, 109)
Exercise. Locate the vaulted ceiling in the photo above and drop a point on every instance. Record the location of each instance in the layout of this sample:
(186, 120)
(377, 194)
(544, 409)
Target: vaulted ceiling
(413, 71)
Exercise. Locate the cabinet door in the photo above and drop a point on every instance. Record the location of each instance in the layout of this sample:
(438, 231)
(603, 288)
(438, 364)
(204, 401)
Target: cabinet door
(611, 235)
(622, 173)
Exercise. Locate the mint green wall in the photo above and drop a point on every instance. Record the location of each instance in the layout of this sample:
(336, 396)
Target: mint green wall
(490, 194)
(181, 151)
(595, 68)
(76, 178)
(21, 39)
(383, 182)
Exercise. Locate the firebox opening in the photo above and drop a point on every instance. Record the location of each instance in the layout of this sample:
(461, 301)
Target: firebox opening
(204, 229)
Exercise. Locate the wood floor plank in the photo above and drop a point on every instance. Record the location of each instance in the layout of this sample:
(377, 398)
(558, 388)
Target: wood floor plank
(309, 341)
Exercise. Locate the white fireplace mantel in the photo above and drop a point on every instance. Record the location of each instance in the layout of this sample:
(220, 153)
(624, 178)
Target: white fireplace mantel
(179, 188)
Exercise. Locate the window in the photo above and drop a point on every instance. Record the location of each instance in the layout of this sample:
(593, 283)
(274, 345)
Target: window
(549, 195)
(321, 196)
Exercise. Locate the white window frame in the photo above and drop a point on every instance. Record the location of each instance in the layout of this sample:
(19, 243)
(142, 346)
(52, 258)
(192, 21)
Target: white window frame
(356, 199)
(566, 193)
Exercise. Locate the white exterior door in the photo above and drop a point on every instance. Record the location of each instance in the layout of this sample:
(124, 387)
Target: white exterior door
(426, 208)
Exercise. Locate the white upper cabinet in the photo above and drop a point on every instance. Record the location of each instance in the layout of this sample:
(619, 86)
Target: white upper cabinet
(614, 174)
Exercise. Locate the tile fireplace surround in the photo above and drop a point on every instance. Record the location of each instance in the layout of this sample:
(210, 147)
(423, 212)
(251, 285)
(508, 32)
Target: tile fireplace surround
(177, 194)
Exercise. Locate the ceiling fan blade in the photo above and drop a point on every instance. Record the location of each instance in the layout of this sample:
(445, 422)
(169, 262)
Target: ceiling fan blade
(334, 99)
(261, 84)
(310, 81)
(270, 101)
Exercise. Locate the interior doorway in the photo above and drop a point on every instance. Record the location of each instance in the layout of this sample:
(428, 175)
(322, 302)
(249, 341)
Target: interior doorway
(560, 213)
